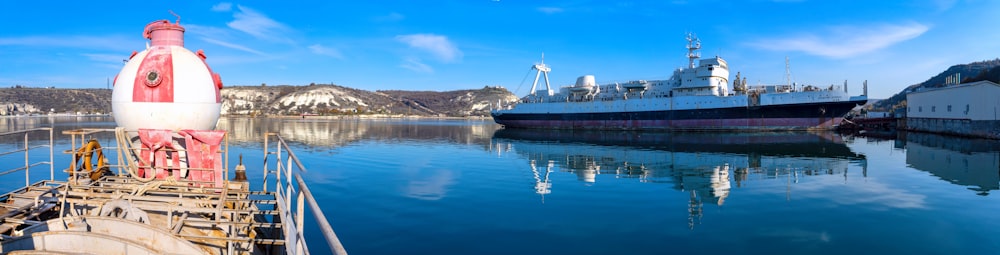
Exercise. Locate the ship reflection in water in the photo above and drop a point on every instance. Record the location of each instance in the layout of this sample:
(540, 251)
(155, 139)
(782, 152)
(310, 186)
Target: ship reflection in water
(709, 166)
(973, 163)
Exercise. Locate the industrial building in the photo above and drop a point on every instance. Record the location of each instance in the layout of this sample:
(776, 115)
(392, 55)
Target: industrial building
(968, 109)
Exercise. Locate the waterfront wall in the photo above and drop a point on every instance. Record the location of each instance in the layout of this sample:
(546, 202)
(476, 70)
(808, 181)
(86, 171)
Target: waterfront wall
(960, 127)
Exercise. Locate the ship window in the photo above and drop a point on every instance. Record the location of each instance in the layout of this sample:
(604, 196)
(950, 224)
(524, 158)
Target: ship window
(966, 109)
(920, 109)
(933, 108)
(909, 109)
(949, 108)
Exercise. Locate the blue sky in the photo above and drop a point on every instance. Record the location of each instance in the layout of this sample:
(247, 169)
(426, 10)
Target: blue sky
(451, 45)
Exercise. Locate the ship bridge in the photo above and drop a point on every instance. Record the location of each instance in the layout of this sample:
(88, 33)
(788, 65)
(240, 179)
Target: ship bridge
(709, 78)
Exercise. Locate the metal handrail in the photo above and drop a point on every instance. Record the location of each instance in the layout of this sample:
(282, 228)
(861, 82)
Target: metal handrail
(295, 242)
(27, 148)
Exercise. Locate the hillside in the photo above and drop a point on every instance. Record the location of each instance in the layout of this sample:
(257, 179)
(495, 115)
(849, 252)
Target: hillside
(20, 100)
(335, 100)
(275, 100)
(992, 74)
(452, 103)
(975, 71)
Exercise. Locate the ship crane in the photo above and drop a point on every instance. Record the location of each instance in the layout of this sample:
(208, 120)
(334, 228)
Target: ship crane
(542, 69)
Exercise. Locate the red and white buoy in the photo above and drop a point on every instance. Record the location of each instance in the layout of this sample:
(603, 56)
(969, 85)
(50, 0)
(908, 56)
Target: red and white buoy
(166, 86)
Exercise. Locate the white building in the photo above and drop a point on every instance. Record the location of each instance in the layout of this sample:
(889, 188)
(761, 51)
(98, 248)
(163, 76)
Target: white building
(971, 109)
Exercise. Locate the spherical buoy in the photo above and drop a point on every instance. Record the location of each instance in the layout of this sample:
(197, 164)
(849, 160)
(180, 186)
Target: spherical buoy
(166, 86)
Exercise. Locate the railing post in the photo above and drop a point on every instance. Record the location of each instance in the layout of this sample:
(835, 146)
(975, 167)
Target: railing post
(277, 170)
(288, 188)
(27, 172)
(52, 162)
(72, 164)
(299, 219)
(225, 168)
(266, 136)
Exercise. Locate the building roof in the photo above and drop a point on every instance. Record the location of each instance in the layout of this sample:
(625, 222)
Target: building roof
(956, 86)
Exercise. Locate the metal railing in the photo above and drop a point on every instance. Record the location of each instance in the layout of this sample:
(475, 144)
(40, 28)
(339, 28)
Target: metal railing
(288, 167)
(26, 148)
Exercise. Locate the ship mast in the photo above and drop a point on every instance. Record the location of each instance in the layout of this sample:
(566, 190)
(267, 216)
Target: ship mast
(542, 69)
(788, 72)
(694, 44)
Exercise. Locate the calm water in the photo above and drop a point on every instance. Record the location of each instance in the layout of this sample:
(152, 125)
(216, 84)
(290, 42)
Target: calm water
(468, 187)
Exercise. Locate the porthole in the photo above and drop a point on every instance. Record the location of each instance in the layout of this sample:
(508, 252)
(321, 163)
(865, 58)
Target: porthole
(153, 78)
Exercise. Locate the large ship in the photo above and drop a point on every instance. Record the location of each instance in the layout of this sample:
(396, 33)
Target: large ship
(696, 98)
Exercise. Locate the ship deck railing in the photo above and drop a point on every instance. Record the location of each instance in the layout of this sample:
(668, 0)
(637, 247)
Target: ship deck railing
(26, 148)
(288, 184)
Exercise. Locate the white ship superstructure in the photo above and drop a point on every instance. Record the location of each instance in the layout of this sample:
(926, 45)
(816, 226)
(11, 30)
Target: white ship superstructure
(698, 97)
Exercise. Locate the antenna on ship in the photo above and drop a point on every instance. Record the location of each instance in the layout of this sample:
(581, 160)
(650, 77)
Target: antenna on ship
(788, 72)
(542, 69)
(694, 44)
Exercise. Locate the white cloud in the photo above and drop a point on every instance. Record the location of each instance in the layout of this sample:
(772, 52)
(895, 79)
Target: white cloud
(222, 7)
(206, 31)
(391, 17)
(845, 41)
(417, 66)
(108, 42)
(872, 193)
(326, 51)
(430, 186)
(257, 24)
(798, 235)
(231, 45)
(943, 5)
(550, 10)
(106, 58)
(436, 45)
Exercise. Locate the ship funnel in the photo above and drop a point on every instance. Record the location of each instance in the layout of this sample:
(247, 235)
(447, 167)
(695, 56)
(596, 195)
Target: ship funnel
(164, 33)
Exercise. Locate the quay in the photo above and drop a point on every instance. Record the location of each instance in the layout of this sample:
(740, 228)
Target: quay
(878, 123)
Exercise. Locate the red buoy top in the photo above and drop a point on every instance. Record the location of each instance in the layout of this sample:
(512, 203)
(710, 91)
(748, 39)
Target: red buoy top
(164, 33)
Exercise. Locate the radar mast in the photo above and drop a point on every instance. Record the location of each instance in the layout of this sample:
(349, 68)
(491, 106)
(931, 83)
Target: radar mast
(694, 44)
(542, 69)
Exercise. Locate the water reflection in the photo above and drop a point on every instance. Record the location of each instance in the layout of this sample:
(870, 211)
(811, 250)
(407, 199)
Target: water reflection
(705, 165)
(974, 163)
(310, 132)
(337, 132)
(59, 123)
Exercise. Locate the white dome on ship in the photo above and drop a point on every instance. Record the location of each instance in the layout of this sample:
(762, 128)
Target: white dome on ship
(166, 86)
(586, 81)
